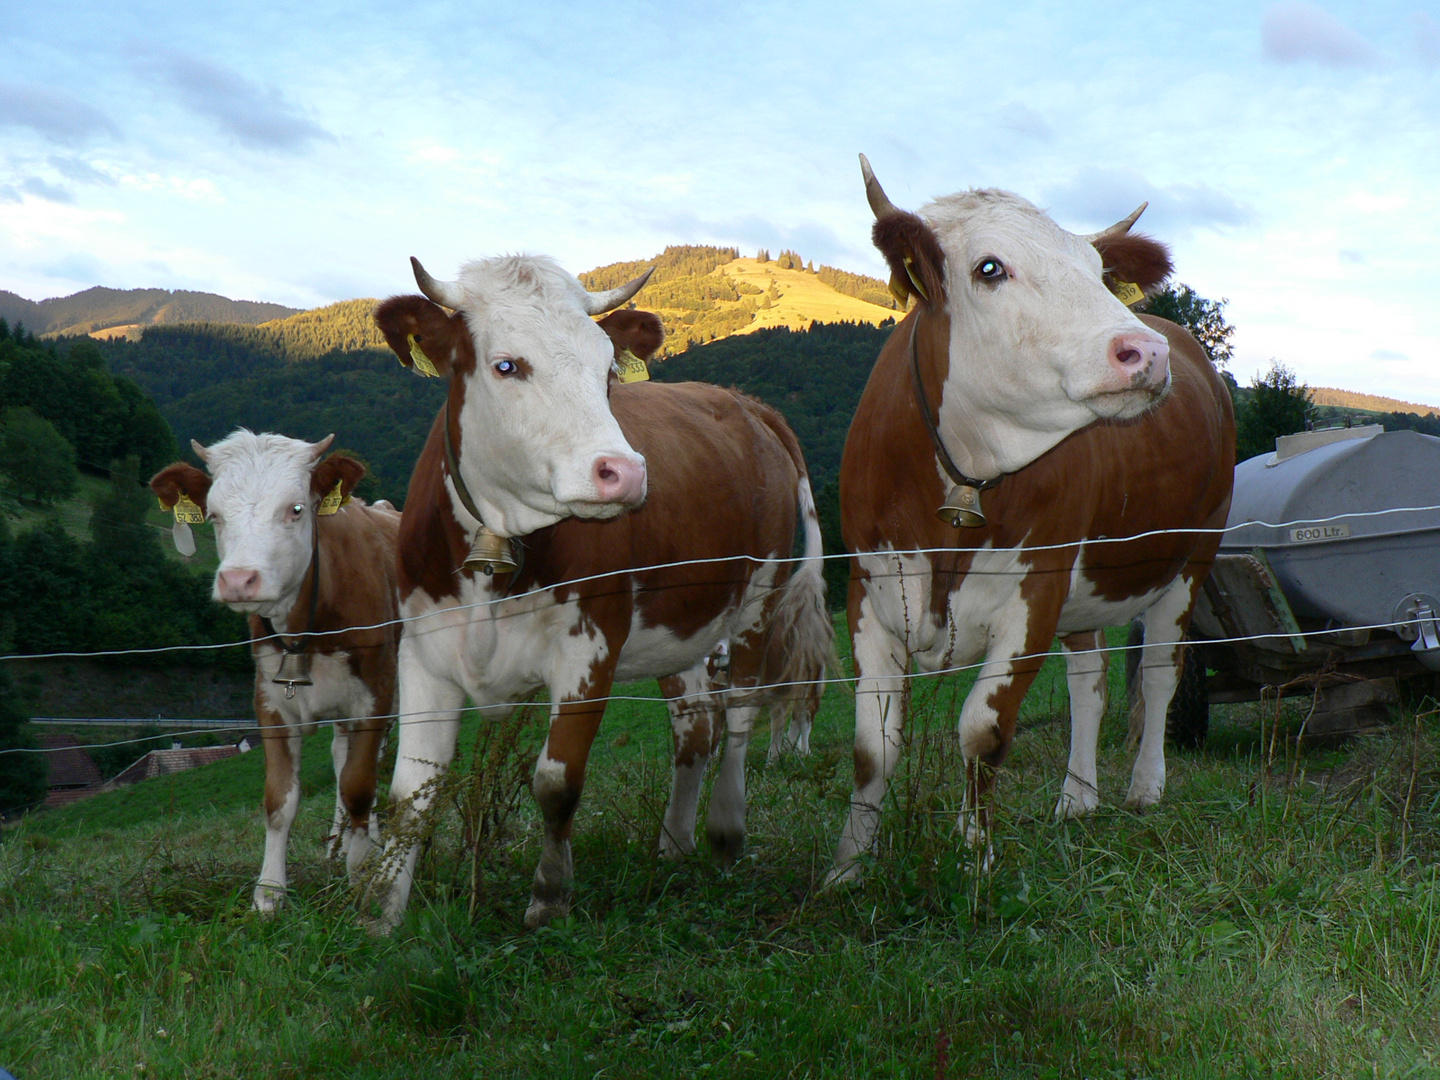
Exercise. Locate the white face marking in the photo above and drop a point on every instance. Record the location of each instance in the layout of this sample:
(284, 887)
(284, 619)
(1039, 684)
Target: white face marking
(536, 428)
(263, 511)
(1031, 329)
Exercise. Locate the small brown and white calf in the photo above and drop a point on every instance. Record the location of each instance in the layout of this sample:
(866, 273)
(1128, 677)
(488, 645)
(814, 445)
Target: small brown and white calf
(277, 533)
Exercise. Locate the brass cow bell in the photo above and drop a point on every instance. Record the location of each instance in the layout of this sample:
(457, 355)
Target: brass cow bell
(490, 553)
(294, 671)
(962, 508)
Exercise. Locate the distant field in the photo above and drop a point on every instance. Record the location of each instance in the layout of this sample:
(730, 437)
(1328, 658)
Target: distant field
(804, 298)
(1350, 399)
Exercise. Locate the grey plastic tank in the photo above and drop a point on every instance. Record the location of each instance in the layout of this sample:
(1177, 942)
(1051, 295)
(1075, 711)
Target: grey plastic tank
(1353, 533)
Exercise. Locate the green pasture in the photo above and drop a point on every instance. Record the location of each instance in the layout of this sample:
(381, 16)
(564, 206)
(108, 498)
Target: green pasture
(1277, 916)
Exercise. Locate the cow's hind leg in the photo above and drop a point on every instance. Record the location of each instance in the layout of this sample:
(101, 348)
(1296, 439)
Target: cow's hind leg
(697, 721)
(725, 823)
(1165, 623)
(1086, 667)
(282, 802)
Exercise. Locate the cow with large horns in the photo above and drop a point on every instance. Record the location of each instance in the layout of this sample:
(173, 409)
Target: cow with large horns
(564, 530)
(1021, 374)
(314, 570)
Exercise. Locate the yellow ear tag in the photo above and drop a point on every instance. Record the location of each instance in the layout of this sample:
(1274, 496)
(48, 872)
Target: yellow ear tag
(332, 502)
(187, 513)
(632, 368)
(420, 360)
(915, 279)
(899, 291)
(1128, 292)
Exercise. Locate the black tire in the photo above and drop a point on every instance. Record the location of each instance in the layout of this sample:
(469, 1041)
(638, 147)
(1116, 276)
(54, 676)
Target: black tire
(1187, 721)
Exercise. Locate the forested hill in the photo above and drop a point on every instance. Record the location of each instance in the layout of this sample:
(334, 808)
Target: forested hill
(208, 380)
(126, 311)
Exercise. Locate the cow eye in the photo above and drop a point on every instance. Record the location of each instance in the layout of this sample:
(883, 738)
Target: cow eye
(506, 367)
(297, 510)
(989, 269)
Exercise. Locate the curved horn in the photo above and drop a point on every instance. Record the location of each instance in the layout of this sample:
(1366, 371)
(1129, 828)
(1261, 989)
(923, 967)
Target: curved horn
(597, 303)
(879, 201)
(320, 447)
(1121, 227)
(444, 293)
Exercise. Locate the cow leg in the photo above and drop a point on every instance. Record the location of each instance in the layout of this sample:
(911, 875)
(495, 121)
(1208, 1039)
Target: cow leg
(429, 722)
(697, 723)
(356, 777)
(792, 738)
(282, 802)
(881, 665)
(339, 752)
(1165, 623)
(725, 825)
(1085, 675)
(558, 784)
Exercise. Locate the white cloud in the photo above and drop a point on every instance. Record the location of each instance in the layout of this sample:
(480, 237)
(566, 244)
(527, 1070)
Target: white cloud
(1294, 31)
(57, 116)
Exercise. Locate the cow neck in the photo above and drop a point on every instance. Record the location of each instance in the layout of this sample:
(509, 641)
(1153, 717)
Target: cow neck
(298, 646)
(946, 461)
(452, 465)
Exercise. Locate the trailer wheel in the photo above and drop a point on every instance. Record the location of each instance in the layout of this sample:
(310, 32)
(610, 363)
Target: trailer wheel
(1187, 721)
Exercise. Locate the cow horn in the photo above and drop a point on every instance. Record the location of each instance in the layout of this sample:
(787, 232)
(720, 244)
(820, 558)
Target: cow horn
(879, 201)
(320, 447)
(597, 303)
(444, 293)
(1121, 227)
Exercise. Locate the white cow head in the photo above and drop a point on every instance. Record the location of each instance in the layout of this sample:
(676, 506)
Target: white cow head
(529, 372)
(261, 494)
(1039, 345)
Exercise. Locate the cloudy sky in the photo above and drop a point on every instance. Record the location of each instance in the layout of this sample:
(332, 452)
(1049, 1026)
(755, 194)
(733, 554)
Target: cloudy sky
(299, 153)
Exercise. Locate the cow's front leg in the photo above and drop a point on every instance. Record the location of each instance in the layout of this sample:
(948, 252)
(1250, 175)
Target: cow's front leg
(428, 723)
(881, 664)
(1086, 667)
(558, 784)
(282, 802)
(697, 722)
(339, 753)
(356, 778)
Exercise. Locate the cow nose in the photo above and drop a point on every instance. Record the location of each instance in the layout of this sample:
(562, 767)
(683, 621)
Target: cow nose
(235, 586)
(1142, 359)
(620, 480)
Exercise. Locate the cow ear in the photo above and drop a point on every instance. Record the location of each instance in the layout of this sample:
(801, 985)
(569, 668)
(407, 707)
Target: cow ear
(639, 332)
(1135, 258)
(339, 469)
(179, 479)
(917, 263)
(422, 335)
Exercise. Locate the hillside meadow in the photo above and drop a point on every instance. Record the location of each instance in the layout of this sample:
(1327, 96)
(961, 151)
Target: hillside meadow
(1277, 916)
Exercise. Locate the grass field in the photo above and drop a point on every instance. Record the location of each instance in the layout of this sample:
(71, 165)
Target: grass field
(1278, 915)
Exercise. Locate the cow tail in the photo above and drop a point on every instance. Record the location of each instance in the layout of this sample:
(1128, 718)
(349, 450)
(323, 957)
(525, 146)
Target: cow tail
(800, 645)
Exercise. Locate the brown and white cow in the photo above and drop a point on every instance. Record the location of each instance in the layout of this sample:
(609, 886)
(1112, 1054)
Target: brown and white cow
(279, 526)
(1090, 423)
(548, 449)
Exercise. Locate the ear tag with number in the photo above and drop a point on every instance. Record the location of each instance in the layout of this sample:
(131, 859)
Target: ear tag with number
(632, 368)
(187, 513)
(333, 501)
(422, 362)
(1128, 292)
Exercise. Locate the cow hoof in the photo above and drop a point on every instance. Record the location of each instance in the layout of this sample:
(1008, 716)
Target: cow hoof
(848, 874)
(1141, 797)
(1075, 804)
(675, 848)
(540, 912)
(726, 845)
(268, 899)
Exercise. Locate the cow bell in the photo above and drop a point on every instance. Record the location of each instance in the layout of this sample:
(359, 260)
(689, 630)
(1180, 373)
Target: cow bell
(961, 508)
(490, 553)
(294, 671)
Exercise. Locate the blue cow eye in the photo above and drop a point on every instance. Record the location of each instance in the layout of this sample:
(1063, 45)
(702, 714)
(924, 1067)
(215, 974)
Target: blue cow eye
(990, 269)
(506, 367)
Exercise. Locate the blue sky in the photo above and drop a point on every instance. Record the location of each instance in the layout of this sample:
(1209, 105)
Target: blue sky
(300, 153)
